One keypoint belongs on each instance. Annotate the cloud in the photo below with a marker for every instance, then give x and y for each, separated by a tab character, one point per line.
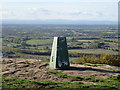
74	13
32	9
77	11
6	14
99	14
86	13
46	11
39	11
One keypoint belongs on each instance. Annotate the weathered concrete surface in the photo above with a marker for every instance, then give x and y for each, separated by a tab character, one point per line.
59	55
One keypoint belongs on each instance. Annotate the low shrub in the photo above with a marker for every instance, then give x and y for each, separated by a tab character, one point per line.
104	59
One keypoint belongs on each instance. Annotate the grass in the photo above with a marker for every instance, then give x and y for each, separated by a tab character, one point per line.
39	41
93	65
59	74
0	40
85	40
94	79
22	83
68	38
75	78
13	44
94	51
3	63
5	70
17	83
109	85
109	32
115	77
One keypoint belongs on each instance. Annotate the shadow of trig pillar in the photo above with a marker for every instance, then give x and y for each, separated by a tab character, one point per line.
59	55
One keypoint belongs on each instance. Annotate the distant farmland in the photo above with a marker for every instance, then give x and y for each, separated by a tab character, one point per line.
94	51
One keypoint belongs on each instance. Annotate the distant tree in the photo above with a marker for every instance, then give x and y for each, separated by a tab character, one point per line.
24	44
73	39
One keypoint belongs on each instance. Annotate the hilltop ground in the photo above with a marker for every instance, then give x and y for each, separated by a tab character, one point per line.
86	74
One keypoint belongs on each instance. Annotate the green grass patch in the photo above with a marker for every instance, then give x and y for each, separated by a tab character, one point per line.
3	63
0	40
39	41
59	74
109	85
115	77
5	70
22	83
93	51
76	78
94	79
85	40
17	83
109	32
93	65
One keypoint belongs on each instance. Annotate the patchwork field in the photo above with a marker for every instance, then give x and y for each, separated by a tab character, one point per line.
94	51
39	41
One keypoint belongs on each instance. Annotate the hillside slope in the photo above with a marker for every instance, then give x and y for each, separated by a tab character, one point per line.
87	74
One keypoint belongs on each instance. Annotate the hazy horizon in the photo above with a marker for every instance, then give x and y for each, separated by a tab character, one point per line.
57	21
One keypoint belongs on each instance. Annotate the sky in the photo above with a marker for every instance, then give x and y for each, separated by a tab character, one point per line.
59	9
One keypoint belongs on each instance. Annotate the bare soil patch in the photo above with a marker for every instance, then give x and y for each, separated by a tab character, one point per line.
32	69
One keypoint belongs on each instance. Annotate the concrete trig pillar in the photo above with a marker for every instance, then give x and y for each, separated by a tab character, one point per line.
59	55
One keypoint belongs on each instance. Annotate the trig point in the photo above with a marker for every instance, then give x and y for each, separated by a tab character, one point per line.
59	55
